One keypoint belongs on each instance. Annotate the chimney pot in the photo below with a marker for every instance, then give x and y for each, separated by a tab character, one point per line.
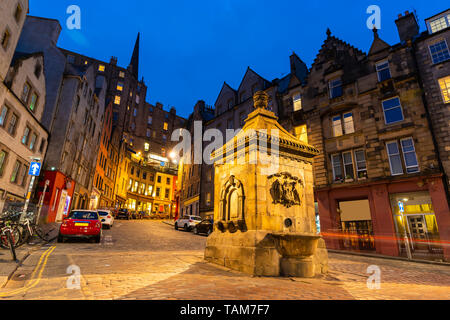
406	12
400	15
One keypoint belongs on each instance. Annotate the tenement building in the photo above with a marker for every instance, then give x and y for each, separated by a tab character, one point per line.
232	108
433	59
22	101
377	178
73	112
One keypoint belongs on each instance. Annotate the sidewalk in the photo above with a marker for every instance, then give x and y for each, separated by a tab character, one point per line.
169	222
8	266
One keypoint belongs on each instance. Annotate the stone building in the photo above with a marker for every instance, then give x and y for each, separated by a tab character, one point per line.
232	108
22	100
73	114
378	162
433	60
103	191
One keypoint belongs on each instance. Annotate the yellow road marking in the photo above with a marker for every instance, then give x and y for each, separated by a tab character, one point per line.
39	269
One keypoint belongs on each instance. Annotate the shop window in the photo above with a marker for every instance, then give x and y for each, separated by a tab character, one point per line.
415	218
356	223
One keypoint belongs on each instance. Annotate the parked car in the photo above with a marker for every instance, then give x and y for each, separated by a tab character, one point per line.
204	227
187	222
124	214
81	224
107	218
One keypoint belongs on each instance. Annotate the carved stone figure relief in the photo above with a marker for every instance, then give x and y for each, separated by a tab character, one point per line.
286	189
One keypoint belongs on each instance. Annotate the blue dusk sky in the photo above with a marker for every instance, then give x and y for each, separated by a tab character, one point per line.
189	48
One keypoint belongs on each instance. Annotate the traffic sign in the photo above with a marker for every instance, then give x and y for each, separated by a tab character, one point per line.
401	206
35	169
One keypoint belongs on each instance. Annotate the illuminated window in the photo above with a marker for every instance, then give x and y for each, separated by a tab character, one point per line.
119	86
297	102
439	24
150	120
147	147
33	101
301	133
122	74
101	68
166	126
444	84
117	100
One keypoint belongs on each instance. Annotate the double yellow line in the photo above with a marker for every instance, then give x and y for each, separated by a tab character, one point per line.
38	270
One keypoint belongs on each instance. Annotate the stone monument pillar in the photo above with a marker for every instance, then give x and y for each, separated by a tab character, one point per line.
264	215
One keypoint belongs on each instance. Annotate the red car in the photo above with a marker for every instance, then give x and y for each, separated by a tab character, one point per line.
81	224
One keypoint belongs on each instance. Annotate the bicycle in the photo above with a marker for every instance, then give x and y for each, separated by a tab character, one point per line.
29	229
9	239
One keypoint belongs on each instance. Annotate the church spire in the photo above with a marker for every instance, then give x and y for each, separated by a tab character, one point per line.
134	63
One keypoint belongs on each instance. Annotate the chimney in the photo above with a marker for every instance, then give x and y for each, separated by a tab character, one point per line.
113	61
407	26
159	105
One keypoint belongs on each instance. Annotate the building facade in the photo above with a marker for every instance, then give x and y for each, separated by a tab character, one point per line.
378	177
231	109
433	60
22	100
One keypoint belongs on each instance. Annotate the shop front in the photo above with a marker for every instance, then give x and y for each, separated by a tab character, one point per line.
379	217
415	220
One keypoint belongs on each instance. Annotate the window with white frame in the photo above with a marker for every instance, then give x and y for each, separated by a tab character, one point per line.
392	111
438	24
338	174
343	124
439	51
383	71
335	88
3	114
348	165
409	155
444	84
361	166
297	100
395	160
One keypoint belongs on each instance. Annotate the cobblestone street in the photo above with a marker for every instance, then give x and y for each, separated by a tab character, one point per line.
149	260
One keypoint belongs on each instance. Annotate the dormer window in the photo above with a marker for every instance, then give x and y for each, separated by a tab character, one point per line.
335	88
439	23
383	71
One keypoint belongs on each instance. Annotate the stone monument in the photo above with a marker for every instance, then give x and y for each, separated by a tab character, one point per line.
264	215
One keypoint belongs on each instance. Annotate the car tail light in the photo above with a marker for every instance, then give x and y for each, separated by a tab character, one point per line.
191	221
109	217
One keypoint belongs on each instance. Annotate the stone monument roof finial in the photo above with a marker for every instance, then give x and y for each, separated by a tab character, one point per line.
261	100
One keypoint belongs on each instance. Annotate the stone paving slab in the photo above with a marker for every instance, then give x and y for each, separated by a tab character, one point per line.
152	261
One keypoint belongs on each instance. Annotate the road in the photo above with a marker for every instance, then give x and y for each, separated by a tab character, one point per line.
147	260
